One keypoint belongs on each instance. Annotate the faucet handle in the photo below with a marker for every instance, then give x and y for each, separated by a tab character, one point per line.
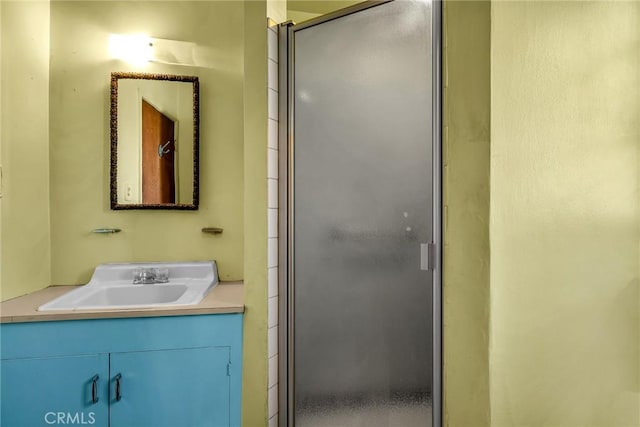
148	276
161	274
137	276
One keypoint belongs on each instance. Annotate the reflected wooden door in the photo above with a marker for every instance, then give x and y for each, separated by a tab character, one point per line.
158	175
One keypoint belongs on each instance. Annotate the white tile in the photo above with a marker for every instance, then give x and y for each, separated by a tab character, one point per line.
273	401
272	340
272	193
273	421
272	46
273	371
272	252
273	104
272	223
272	282
272	73
272	163
273	134
272	312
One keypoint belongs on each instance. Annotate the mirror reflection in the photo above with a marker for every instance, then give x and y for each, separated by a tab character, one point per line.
154	141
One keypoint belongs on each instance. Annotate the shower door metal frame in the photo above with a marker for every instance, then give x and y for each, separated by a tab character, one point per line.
286	147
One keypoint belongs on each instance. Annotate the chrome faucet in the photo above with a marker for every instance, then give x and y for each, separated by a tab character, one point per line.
144	276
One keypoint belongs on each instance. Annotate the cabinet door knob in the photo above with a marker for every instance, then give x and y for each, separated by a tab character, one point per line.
118	393
94	389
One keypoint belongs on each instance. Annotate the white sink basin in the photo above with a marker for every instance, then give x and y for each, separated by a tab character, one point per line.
133	295
112	287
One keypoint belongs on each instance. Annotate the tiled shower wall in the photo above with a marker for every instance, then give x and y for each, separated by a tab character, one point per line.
272	222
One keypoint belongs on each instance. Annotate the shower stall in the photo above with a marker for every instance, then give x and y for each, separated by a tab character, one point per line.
360	219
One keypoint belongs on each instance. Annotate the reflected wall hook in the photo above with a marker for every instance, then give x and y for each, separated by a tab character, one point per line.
106	230
162	149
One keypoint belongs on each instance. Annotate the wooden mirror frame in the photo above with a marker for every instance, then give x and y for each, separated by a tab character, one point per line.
115	76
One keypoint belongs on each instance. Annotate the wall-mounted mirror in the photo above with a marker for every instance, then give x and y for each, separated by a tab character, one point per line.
154	141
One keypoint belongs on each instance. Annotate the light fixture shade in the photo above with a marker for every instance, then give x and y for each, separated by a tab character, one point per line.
173	52
136	49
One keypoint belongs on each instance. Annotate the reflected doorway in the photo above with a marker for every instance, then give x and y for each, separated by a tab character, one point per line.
158	156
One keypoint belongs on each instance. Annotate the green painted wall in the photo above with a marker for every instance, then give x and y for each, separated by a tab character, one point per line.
25	262
255	369
466	115
79	118
565	213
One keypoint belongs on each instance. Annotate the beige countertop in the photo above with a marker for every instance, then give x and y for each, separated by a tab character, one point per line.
227	297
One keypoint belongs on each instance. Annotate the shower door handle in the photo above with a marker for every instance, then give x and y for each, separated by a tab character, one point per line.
428	256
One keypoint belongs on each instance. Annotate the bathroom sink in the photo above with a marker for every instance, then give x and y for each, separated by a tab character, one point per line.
112	287
132	295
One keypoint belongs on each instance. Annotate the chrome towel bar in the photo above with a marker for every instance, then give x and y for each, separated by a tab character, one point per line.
106	230
212	230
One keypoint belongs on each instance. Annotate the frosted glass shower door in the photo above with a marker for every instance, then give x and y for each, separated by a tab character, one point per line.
362	207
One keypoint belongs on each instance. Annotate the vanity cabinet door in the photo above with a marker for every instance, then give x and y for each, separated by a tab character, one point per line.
55	390
185	387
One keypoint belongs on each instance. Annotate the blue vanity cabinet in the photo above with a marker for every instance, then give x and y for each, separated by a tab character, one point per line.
55	390
171	388
152	371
